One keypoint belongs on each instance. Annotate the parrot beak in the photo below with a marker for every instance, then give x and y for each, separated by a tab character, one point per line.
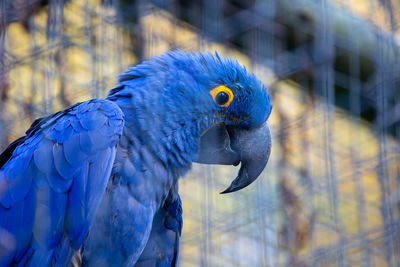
230	145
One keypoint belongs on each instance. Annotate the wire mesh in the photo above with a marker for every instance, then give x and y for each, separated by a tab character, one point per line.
330	194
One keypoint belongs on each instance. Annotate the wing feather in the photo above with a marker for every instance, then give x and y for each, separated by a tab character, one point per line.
43	158
39	178
162	248
20	186
93	183
52	180
76	208
62	166
5	198
73	158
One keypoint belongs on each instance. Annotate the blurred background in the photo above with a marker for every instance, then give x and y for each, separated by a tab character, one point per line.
330	195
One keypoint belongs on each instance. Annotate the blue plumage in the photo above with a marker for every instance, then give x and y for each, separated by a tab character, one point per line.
97	183
47	200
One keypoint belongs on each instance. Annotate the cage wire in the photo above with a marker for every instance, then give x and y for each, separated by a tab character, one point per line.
330	193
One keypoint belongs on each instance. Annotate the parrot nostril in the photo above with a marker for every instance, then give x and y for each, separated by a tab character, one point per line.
236	163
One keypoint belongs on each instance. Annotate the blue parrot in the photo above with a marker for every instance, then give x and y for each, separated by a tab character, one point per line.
97	184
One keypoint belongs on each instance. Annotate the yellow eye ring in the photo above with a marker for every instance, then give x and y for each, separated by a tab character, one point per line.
222	95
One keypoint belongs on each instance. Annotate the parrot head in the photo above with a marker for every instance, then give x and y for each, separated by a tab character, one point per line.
242	134
211	108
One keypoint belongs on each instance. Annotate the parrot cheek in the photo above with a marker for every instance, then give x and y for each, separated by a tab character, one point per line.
231	145
215	147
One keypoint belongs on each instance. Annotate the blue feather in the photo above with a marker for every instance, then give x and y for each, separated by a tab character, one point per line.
14	168
18	187
63	135
42	224
58	183
3	216
27	253
82	108
72	151
62	166
86	144
13	225
39	178
62	124
43	156
98	140
50	212
50	157
106	130
95	105
40	256
92	120
76	126
26	224
5	198
97	169
58	205
75	215
115	124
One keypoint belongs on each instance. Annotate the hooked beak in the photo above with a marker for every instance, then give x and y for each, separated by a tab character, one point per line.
230	145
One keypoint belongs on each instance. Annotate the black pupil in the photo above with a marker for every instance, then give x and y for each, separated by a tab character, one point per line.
221	98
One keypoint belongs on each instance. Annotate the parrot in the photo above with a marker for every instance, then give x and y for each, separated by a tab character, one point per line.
97	183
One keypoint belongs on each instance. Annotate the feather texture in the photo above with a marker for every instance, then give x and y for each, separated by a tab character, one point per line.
162	248
47	206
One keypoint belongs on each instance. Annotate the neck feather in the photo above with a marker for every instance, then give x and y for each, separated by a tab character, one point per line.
172	135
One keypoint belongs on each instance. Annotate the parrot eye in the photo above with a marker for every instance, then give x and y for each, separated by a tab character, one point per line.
221	98
222	95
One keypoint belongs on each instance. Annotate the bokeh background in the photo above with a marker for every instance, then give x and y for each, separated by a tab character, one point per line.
329	196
